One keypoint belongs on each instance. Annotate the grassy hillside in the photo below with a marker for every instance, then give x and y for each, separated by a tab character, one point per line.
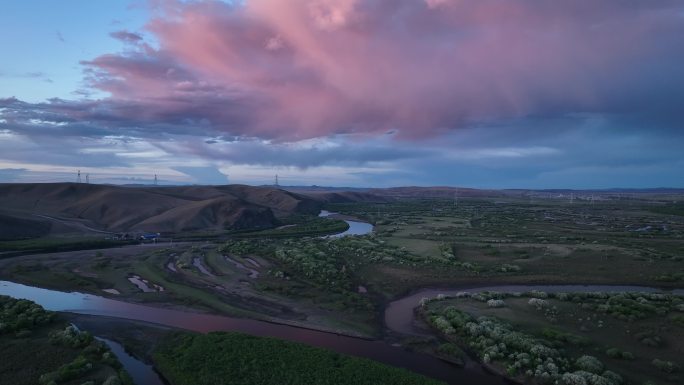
82	208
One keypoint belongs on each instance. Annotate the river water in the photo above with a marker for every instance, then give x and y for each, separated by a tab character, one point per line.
141	373
398	316
355	227
376	350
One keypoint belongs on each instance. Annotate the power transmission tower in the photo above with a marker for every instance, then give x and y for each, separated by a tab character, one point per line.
155	179
78	178
276	180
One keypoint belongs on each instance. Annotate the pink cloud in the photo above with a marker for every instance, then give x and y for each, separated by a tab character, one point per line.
290	70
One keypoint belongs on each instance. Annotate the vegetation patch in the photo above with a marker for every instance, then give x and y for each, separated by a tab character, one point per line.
563	338
234	358
37	347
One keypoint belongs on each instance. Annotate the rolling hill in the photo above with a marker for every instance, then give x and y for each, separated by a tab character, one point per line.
39	208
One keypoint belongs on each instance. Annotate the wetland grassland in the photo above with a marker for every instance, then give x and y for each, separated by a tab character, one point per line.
295	276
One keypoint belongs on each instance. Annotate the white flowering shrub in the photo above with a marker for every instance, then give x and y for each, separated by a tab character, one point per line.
590	364
496	303
573	379
538	303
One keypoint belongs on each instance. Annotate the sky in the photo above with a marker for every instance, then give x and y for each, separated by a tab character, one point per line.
578	94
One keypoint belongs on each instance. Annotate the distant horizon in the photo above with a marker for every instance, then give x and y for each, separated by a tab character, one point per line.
343	188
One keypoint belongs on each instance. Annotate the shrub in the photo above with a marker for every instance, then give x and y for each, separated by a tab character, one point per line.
619	354
573	379
506	268
665	366
538	303
612	377
590	364
443	325
496	303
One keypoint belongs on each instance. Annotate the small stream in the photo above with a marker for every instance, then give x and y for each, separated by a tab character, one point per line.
141	373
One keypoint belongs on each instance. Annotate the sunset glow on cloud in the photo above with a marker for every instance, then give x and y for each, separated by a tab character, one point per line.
522	92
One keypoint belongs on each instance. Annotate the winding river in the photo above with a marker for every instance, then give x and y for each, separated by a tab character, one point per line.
398	316
355	227
376	350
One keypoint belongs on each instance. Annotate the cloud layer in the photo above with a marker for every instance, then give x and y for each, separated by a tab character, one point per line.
309	68
258	82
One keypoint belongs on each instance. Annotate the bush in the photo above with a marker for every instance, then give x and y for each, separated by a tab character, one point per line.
496	303
538	303
573	379
590	364
665	366
619	354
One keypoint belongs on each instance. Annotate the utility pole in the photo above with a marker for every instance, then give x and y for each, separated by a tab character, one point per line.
78	178
155	179
276	180
87	178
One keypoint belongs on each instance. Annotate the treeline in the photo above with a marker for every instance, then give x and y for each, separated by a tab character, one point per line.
312	226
